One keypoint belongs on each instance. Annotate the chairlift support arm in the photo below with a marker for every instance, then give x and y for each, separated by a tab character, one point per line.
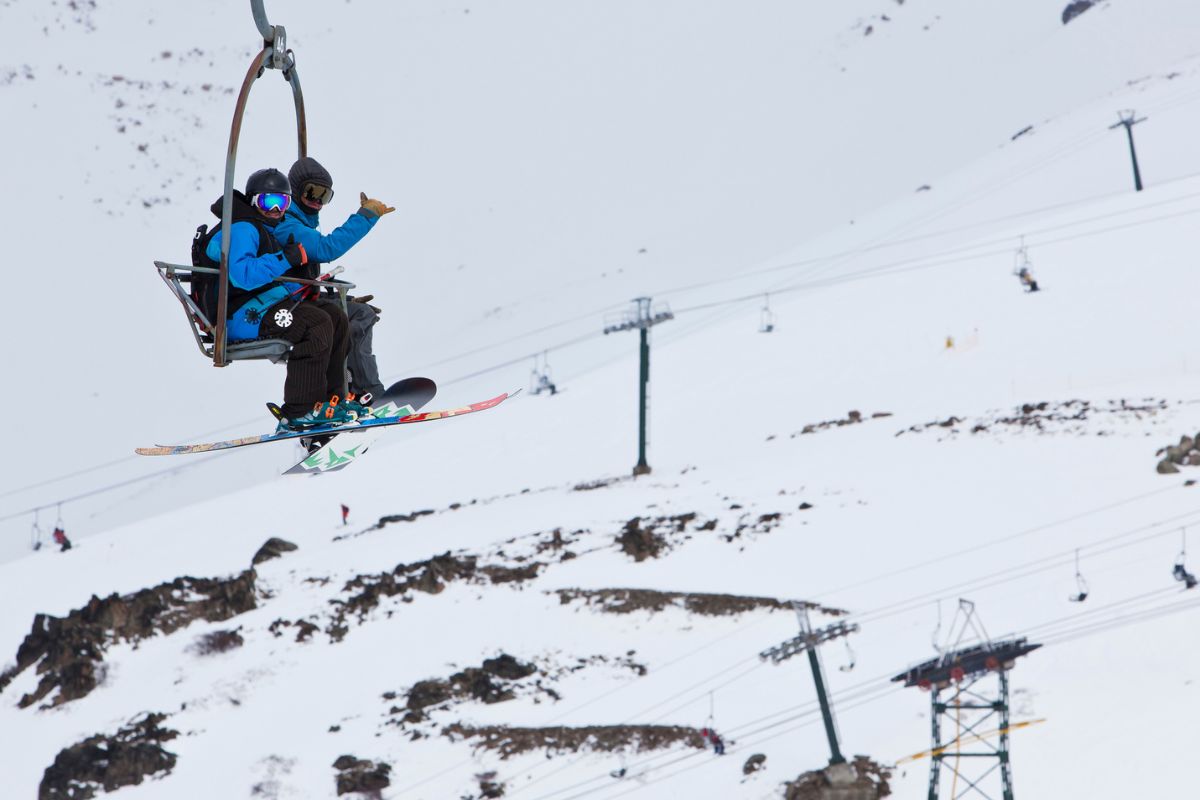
274	55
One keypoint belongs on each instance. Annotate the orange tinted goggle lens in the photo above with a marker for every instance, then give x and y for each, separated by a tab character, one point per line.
316	193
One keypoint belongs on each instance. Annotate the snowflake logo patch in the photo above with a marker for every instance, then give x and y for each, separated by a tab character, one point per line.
283	318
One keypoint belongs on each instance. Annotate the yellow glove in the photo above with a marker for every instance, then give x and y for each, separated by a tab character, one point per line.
376	207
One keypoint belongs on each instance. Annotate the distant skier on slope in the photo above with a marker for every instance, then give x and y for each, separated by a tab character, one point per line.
314	390
313	187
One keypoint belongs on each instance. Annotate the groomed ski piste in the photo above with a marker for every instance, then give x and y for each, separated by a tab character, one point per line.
977	470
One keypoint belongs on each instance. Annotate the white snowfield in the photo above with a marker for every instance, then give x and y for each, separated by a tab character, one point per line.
532	151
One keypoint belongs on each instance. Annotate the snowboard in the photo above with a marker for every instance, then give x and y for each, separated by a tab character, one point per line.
332	452
356	427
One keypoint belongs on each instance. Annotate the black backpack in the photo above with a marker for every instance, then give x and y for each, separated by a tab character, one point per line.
204	284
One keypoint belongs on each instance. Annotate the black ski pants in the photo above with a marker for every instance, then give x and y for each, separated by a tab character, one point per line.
364	371
316	367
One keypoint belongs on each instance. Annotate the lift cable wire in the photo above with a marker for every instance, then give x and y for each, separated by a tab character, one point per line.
920	601
847	700
1036	566
903	265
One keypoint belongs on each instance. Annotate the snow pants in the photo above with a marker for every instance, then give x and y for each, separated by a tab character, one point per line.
319	333
364	372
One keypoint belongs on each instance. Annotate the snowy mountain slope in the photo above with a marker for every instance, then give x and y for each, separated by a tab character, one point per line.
898	522
886	509
534	154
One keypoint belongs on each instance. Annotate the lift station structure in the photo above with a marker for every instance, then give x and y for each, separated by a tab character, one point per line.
968	707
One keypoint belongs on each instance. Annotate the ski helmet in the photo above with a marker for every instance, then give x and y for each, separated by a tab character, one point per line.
267	180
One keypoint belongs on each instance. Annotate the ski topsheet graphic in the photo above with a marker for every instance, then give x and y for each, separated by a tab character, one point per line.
365	425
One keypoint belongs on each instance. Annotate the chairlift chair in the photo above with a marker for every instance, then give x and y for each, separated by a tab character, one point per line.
210	335
1180	572
766	318
542	380
1081	584
1021	260
849	665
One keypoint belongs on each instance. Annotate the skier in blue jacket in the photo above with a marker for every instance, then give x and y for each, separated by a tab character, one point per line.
313	187
314	390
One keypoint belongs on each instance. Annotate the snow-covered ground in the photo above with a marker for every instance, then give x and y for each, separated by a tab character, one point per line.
533	152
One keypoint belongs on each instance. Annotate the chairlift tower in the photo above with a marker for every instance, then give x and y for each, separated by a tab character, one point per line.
807	642
1128	121
962	705
641	318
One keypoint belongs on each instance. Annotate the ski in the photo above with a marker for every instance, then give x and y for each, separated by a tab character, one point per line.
332	451
365	425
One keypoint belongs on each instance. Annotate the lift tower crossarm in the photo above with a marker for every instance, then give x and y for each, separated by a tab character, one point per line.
807	642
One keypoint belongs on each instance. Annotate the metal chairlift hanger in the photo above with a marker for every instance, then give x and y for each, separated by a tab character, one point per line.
1081	584
274	55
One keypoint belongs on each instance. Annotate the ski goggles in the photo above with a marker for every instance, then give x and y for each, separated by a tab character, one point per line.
272	201
316	193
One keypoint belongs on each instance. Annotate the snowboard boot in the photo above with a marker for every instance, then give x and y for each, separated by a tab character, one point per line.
359	405
331	412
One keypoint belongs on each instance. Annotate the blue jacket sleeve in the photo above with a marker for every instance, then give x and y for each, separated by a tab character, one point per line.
329	247
247	269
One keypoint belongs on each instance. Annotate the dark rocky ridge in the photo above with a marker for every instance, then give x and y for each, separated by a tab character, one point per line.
1046	418
489	683
69	652
626	601
509	742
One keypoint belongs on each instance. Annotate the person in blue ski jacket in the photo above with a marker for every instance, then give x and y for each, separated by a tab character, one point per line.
313	187
260	307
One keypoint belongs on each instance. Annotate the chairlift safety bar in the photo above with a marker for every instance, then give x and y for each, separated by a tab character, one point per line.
199	323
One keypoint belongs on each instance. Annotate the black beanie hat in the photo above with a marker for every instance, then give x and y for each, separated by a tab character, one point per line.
308	170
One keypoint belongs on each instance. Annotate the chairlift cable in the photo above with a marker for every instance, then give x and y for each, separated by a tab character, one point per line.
866	698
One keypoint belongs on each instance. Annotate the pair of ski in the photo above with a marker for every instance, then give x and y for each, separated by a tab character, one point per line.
400	404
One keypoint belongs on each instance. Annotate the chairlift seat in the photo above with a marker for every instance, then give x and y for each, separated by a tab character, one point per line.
273	350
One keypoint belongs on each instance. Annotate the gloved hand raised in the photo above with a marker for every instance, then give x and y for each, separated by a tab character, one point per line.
366	301
376	207
294	253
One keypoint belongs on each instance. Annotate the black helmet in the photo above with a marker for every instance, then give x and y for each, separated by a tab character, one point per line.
267	180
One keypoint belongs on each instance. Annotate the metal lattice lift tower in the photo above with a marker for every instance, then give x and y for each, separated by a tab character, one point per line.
641	318
963	708
807	642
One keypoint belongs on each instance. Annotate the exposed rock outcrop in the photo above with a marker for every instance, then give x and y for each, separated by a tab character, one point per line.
358	775
272	548
860	779
509	742
106	763
69	652
626	601
1074	9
